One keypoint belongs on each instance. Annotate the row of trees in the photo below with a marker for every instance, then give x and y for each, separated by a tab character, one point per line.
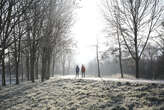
133	24
151	63
34	33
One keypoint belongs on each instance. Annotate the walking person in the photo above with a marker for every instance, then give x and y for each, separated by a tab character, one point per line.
83	71
77	71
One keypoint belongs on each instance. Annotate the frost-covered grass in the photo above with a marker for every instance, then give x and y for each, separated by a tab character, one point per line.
83	94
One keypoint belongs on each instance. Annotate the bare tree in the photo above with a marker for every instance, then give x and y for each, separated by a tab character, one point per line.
11	12
138	20
36	25
33	30
57	25
112	17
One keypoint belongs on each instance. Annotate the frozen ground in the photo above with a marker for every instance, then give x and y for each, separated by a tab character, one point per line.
68	93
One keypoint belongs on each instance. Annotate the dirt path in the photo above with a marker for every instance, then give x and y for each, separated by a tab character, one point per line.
83	94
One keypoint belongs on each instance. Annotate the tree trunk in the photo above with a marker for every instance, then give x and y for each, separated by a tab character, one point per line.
136	49
22	66
32	66
137	68
17	72
17	57
48	68
63	63
16	61
9	67
63	68
3	68
43	64
98	64
120	54
36	69
120	61
53	65
27	67
48	62
98	68
69	66
32	58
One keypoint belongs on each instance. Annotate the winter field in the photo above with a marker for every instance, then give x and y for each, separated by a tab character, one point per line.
70	93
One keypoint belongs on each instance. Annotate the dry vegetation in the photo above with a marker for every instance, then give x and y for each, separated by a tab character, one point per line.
83	94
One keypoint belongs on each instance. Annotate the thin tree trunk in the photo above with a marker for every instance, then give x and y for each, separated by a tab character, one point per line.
48	63
3	68
9	66
22	66
36	69
32	66
43	64
17	52
63	66
27	67
120	61
98	63
69	66
43	68
16	61
53	67
32	58
37	66
120	54
17	74
16	67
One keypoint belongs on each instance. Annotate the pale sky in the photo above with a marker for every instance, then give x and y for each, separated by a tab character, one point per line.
88	27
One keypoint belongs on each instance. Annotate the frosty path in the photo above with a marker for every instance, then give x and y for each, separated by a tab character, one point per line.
68	93
116	79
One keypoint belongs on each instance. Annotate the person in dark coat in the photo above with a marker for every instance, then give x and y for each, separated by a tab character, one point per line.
77	71
83	71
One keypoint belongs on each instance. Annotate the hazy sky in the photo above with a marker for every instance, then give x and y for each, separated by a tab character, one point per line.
88	27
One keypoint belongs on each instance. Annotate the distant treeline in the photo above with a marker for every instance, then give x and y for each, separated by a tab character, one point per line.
149	68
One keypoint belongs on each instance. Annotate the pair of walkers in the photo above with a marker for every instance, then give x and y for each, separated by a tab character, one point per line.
82	71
